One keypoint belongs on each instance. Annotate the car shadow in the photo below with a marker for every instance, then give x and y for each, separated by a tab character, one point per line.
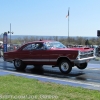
49	71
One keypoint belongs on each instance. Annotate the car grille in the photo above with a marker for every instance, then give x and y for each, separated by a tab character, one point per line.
86	54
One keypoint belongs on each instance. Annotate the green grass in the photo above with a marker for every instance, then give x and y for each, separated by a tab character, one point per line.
20	88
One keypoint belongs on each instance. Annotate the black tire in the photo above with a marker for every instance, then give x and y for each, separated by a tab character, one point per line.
82	66
65	66
19	65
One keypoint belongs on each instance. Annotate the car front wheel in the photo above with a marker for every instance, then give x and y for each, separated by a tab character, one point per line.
82	66
65	66
19	65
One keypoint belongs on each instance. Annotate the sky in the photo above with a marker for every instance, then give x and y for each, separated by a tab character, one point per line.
48	17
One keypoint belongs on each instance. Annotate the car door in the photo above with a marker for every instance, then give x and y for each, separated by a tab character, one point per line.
32	52
39	54
25	53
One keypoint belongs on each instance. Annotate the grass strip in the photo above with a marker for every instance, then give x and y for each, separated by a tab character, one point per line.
21	88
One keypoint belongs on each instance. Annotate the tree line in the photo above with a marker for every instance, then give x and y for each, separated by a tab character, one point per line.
65	41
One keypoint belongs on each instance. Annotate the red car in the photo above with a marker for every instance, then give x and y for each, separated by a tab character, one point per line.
47	52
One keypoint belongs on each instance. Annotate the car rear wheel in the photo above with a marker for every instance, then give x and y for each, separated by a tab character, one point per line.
65	66
19	65
82	66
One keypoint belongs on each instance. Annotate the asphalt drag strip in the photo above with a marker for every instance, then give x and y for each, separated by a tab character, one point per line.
87	78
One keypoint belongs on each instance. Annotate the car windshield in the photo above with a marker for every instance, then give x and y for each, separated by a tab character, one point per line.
55	44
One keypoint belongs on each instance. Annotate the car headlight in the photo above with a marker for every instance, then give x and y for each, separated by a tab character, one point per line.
79	53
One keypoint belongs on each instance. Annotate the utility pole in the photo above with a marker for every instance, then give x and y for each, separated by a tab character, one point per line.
68	22
10	35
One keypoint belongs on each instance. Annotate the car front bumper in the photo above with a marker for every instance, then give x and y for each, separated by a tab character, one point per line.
83	60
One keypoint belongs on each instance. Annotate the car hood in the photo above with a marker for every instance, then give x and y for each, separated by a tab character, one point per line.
75	49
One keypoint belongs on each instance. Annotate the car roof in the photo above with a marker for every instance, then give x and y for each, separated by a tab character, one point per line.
41	41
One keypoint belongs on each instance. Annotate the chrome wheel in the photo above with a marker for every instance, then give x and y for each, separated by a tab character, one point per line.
65	66
19	65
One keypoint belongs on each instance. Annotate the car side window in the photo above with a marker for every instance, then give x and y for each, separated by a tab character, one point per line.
39	46
29	47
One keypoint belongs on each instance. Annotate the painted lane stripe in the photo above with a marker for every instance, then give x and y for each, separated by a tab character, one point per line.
93	69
